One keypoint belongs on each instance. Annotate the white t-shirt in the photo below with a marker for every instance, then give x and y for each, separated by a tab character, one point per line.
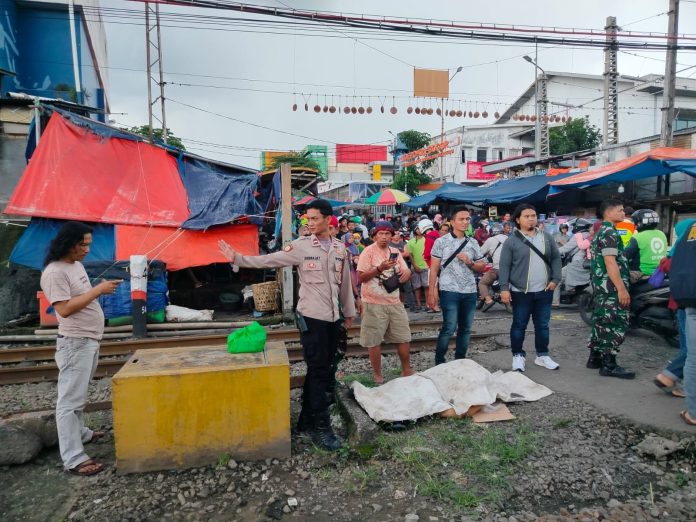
62	281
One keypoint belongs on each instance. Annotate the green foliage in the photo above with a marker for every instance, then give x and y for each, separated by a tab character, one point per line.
458	461
144	130
408	180
296	159
575	135
410	177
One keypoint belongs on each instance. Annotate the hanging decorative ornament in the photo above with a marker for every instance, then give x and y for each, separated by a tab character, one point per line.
306	101
484	114
569	118
476	112
563	119
438	111
496	115
534	118
326	107
459	112
417	110
393	110
294	101
409	110
361	110
454	113
346	110
369	106
317	107
514	117
294	106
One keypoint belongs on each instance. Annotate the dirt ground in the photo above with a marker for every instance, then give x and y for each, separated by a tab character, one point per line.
561	458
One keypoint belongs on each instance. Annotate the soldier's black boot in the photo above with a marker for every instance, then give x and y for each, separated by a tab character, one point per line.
305	421
611	369
323	435
595	360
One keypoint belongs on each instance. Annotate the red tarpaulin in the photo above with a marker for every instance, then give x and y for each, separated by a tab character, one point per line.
181	248
76	174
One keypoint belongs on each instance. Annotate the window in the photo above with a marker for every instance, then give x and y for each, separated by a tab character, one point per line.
463	158
481	155
498	154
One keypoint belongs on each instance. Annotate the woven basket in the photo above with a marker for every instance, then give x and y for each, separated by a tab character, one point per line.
266	296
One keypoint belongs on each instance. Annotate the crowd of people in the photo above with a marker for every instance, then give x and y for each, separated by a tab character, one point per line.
356	265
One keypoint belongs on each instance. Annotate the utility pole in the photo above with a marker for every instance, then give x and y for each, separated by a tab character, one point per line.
541	111
153	49
670	75
611	93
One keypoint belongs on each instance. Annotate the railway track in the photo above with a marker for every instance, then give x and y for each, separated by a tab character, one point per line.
28	364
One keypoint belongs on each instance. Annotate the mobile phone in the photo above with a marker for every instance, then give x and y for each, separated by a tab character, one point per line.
393	256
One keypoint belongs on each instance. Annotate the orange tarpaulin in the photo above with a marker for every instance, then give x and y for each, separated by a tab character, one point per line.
553	171
181	248
645	164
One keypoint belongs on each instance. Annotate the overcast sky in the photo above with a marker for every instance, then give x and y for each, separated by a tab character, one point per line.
238	61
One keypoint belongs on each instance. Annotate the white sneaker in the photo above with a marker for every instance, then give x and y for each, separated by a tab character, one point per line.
547	362
518	363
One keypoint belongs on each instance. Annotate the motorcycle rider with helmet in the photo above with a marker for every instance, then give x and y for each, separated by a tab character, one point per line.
648	245
491	248
575	273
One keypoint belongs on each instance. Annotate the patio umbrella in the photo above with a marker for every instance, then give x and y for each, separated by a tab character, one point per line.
388	197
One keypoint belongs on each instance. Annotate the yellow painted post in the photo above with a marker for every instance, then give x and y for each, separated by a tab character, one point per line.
188	407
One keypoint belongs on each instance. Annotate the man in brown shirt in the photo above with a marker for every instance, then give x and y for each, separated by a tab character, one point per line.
80	328
325	299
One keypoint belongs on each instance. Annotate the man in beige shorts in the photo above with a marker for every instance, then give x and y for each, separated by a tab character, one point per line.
384	317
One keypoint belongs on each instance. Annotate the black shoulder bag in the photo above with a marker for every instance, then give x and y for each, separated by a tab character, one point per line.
391	283
451	258
535	249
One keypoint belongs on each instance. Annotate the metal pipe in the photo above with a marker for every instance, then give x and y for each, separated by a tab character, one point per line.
73	44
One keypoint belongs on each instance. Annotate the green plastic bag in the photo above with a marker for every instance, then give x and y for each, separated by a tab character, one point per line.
250	339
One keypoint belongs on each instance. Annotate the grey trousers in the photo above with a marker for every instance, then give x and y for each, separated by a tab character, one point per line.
76	358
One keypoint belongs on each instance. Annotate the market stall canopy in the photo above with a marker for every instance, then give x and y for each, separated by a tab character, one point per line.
527	189
388	197
88	171
431	198
178	248
656	162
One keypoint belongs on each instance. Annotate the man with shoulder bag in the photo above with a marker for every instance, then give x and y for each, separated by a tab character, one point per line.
455	257
381	270
530	270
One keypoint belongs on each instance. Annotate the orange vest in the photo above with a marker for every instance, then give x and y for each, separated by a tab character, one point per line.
626	229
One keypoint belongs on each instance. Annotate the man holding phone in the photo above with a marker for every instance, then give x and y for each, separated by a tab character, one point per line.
384	317
66	285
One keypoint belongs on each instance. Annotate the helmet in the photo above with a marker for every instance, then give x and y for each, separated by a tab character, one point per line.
645	219
357	220
582	225
424	225
496	229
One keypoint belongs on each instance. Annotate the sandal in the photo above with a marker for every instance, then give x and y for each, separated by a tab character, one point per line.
82	471
96	435
674	390
687	418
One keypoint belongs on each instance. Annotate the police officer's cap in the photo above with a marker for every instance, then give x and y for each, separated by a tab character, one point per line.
321	205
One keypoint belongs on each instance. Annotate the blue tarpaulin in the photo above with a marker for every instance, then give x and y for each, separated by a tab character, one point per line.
527	190
30	250
217	195
686	166
430	198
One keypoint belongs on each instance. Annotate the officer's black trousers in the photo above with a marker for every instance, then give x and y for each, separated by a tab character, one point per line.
319	345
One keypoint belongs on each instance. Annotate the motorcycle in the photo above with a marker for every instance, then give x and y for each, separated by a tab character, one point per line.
648	310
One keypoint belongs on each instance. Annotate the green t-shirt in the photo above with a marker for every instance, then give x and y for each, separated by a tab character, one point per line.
417	248
652	245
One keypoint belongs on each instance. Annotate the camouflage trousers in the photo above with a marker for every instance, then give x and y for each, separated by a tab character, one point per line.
609	324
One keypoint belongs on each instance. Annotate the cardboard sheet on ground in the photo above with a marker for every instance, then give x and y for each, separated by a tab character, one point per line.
457	385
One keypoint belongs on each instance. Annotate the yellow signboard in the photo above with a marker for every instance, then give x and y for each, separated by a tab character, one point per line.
431	83
376	172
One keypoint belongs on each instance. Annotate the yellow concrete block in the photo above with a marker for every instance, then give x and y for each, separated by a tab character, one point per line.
187	407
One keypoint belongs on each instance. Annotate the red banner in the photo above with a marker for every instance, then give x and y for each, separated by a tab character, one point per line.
474	170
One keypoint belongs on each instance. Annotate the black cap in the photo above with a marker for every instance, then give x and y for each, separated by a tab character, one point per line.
321	205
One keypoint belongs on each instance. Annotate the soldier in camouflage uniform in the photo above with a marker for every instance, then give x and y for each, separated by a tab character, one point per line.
610	279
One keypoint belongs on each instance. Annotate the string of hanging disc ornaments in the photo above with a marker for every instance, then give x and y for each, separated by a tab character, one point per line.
343	104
